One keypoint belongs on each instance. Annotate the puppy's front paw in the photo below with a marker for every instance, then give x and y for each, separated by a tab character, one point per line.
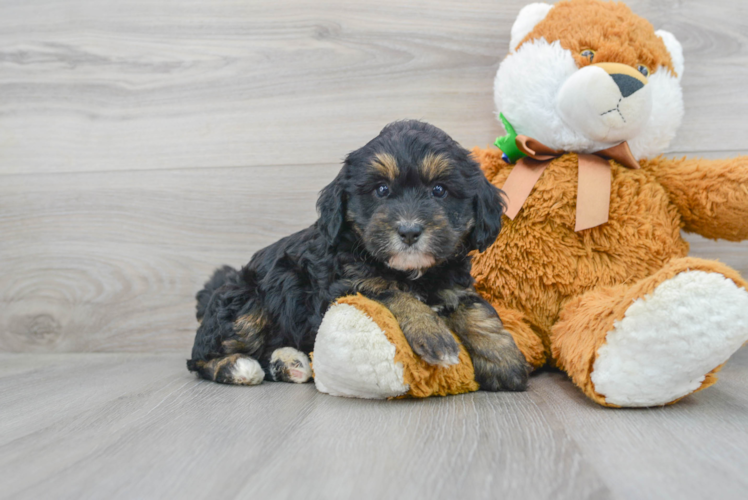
501	367
290	365
432	341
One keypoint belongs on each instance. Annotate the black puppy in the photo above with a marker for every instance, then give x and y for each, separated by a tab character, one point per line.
396	225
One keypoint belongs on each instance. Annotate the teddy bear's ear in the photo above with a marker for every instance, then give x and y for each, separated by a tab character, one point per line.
674	47
528	18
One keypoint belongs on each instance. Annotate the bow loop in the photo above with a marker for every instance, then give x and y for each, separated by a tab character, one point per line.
622	154
536	149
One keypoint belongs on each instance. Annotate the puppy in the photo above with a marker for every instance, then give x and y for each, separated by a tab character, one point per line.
397	225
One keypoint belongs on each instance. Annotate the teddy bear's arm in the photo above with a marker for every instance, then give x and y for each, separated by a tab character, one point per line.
711	195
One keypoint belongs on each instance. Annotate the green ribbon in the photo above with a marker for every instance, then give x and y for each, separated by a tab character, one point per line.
508	143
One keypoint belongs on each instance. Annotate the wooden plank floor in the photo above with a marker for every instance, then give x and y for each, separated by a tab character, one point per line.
139	426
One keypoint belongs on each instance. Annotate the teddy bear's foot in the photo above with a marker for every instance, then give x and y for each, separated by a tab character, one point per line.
353	357
669	341
360	351
657	340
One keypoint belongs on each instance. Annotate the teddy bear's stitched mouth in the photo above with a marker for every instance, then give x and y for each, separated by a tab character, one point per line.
618	109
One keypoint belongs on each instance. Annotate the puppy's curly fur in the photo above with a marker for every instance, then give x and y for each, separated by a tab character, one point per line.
397	225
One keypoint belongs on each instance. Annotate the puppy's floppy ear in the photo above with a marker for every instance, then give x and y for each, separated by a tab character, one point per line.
331	208
489	205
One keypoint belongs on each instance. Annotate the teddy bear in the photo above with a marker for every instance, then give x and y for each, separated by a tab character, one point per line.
590	272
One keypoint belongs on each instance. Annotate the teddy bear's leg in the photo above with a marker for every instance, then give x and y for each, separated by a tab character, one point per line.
360	351
353	356
527	340
657	340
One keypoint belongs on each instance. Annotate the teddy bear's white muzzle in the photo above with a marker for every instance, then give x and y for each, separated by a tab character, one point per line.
605	102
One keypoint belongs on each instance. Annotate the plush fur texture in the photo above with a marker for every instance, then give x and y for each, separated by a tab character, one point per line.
397	225
361	352
570	289
667	341
354	358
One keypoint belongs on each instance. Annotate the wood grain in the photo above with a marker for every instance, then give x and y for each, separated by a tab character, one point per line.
697	448
139	426
144	143
111	261
136	84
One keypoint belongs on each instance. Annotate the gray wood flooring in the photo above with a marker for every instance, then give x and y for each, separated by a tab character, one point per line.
144	142
139	426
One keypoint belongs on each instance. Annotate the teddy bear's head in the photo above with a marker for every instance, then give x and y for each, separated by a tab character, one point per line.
584	75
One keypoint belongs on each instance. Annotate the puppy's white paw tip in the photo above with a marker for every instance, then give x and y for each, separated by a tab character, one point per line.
290	365
247	371
448	360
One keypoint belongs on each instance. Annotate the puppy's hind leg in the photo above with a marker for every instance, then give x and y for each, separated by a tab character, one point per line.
290	365
231	333
237	369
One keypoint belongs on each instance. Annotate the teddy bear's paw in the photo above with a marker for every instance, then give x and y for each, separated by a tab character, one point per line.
431	340
670	340
354	358
290	365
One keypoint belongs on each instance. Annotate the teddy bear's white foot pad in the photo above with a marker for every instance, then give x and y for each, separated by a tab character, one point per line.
354	358
668	341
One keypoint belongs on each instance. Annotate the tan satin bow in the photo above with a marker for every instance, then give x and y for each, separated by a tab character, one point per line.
593	192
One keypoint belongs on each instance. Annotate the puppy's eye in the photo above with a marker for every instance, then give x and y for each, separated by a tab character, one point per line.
439	191
643	70
589	54
382	190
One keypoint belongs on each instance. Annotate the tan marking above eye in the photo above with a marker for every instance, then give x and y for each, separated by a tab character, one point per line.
386	165
433	166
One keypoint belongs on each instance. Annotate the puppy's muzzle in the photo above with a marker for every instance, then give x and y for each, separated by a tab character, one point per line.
409	233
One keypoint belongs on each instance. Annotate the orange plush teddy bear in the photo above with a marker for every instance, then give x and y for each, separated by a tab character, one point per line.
590	272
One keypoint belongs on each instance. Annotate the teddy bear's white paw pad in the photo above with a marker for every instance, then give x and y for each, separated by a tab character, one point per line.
290	365
668	341
354	358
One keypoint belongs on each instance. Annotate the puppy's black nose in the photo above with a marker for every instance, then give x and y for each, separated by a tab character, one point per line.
626	84
410	233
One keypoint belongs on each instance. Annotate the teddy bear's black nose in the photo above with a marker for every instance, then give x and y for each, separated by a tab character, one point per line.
626	84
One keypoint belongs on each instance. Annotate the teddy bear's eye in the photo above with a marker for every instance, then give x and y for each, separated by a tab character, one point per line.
589	54
643	70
